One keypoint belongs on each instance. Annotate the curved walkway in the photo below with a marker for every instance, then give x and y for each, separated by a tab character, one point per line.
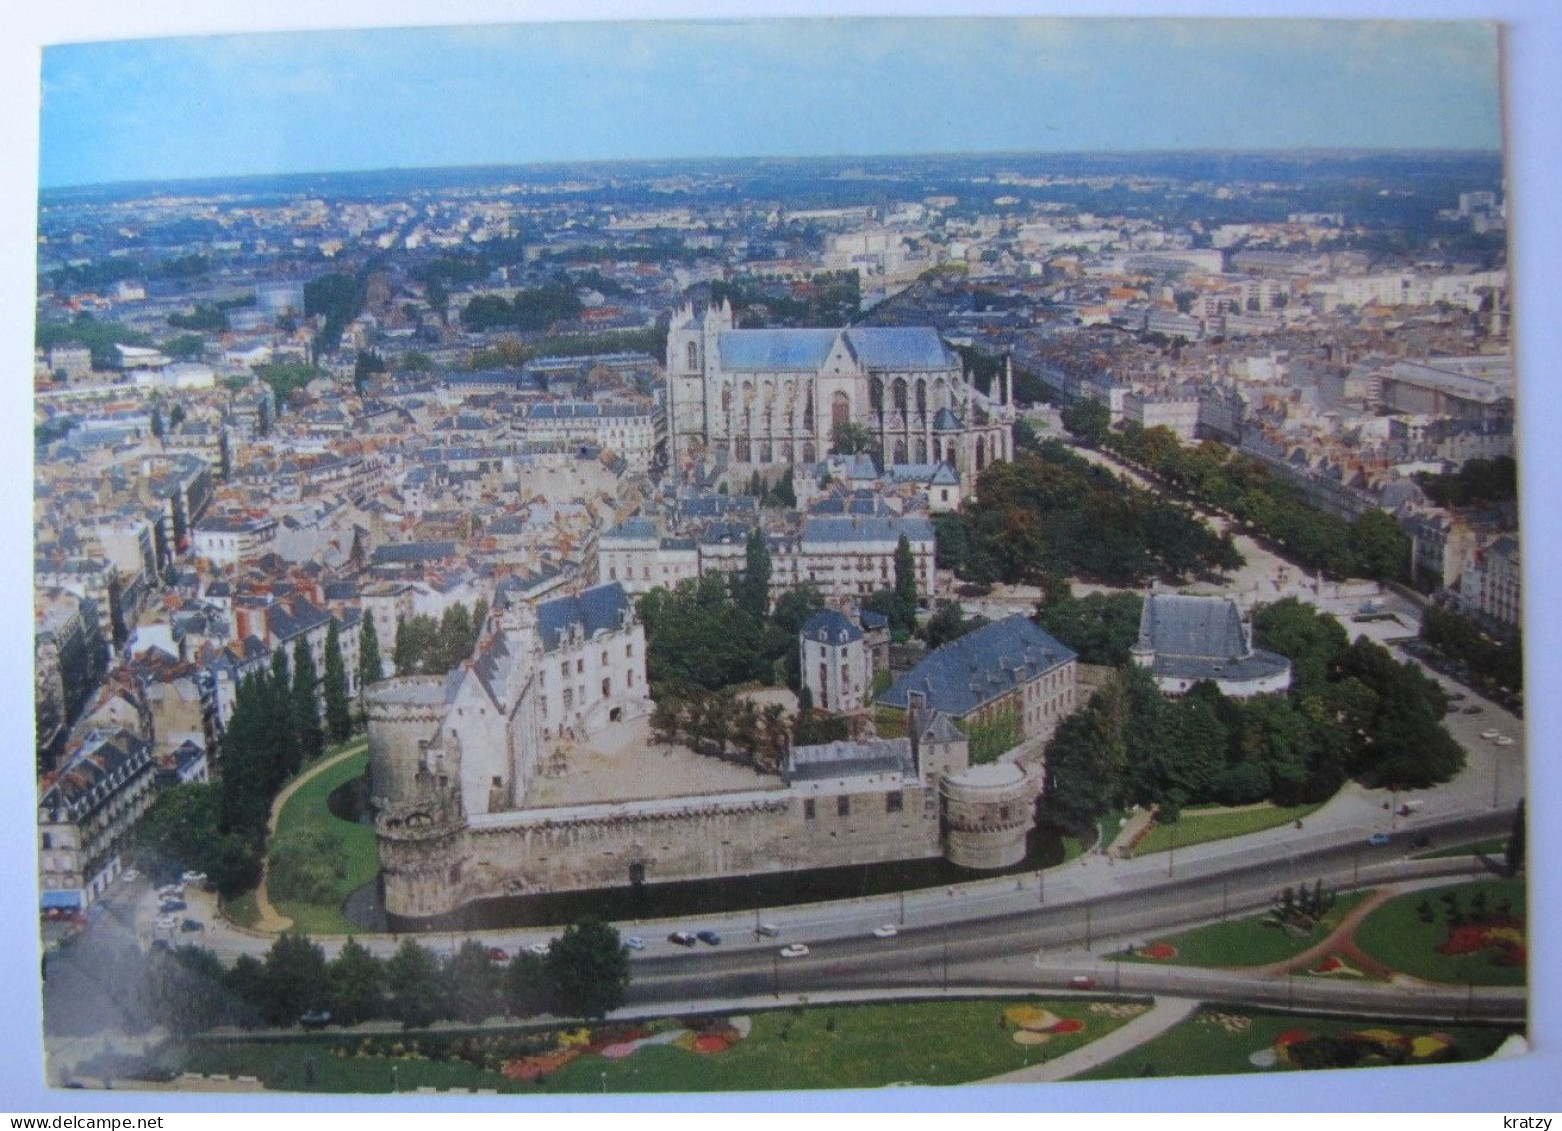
271	920
1165	1013
1341	941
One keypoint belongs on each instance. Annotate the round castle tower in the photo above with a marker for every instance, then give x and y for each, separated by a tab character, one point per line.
988	810
415	792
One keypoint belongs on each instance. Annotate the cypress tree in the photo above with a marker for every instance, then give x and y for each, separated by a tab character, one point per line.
306	705
338	714
905	583
371	669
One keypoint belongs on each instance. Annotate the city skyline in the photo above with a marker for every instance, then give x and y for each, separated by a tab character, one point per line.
124	111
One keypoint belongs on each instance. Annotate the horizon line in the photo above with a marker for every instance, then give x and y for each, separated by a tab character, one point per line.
549	163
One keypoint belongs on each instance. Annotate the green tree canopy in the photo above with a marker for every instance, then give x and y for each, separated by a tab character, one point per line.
589	968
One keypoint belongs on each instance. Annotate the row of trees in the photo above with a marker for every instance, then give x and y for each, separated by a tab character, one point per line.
1099	627
584	974
532	308
1478	483
1493	662
277	726
1050	512
723	724
1371	545
1352	712
424	645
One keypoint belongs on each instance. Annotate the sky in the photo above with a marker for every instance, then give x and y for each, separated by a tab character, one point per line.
419	97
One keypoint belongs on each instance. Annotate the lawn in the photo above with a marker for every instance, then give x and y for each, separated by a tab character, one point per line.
1196	827
1397	934
1219	1040
1247	941
1497	846
356	859
242	910
850	1046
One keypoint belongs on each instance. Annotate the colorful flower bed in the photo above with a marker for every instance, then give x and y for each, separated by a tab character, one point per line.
1335	967
1502	935
1160	950
1036	1026
1303	1048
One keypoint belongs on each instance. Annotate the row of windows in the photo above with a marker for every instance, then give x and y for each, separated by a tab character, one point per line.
893	803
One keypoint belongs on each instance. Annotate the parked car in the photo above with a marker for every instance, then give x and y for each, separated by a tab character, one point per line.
794	950
767	930
1490	734
708	937
1475	710
887	931
1081	982
160	944
169	905
1378	840
171	891
540	949
1503	740
130	875
682	938
194	877
635	942
498	954
166	923
315	1018
189	926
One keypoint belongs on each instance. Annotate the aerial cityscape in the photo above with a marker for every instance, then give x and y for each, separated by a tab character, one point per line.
973	611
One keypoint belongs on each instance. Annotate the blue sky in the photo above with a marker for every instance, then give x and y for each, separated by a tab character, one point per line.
275	102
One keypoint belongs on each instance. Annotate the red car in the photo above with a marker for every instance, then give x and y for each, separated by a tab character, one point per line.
498	954
1081	982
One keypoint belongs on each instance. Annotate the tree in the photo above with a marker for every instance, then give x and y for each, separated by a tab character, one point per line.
355	982
371	669
849	438
157	421
753	588
412	981
306	705
1088	420
338	712
906	582
589	968
471	983
526	990
1381	547
295	979
1514	856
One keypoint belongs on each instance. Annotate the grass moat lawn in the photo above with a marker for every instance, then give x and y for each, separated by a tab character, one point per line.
344	850
848	1046
1464	933
1224	1040
1255	940
1199	826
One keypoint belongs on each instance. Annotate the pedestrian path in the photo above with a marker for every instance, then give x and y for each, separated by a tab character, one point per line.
1167	1012
271	920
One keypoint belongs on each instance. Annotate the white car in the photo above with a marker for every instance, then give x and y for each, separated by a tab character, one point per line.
540	949
635	942
171	891
1503	740
887	931
1488	734
794	950
194	877
130	875
166	922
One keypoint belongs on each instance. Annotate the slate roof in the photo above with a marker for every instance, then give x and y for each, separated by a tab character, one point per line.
849	759
829	627
775	349
404	553
945	421
872	528
900	348
1196	638
981	666
595	610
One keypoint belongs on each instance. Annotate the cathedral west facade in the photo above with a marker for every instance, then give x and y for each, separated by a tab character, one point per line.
765	399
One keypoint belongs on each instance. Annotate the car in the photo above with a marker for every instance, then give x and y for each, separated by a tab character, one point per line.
130	875
169	905
171	891
540	949
166	922
194	877
1081	982
160	944
498	954
708	937
635	942
1475	710
681	938
887	931
1378	840
767	930
189	926
1503	740
315	1018
1490	734
794	950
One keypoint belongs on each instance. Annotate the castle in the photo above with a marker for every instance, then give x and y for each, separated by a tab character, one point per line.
768	398
465	809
